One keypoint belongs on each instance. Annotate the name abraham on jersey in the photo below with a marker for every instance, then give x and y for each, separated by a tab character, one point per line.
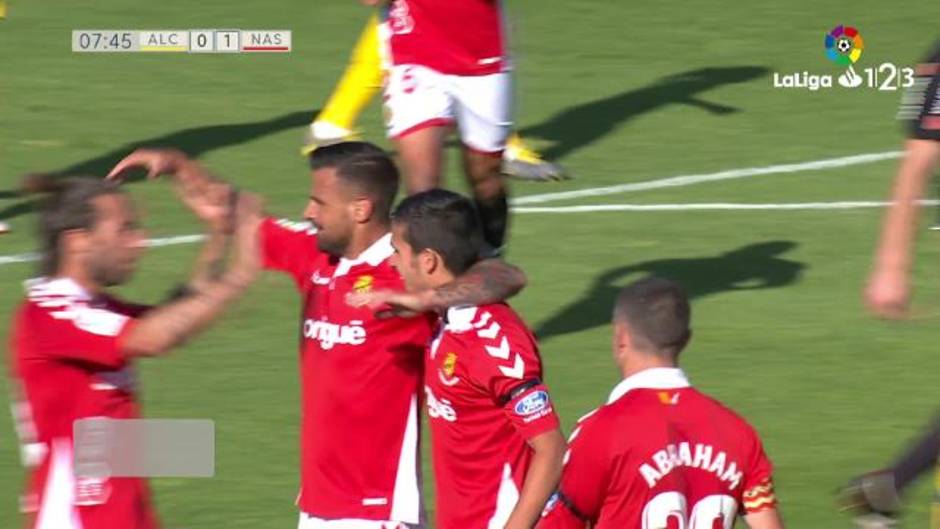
330	334
683	455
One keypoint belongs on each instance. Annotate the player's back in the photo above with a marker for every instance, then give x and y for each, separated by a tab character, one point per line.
661	454
679	447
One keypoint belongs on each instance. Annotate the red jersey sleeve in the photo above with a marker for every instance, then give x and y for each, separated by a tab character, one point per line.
758	492
584	480
77	331
507	366
287	246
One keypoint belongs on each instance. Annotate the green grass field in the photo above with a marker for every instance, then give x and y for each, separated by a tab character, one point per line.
617	91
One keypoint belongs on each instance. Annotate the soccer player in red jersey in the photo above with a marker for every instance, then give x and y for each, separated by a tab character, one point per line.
660	454
497	447
360	374
449	66
74	346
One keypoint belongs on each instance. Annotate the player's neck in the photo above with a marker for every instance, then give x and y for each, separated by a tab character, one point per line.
364	238
80	276
440	277
637	365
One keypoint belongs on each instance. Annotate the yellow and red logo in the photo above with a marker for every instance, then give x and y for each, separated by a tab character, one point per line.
363	284
450	364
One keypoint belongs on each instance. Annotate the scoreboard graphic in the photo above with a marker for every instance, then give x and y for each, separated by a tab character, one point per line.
181	41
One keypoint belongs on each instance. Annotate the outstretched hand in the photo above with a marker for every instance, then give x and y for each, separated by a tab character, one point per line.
155	161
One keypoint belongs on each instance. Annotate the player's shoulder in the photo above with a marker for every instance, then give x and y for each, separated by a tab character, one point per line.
286	225
720	411
484	320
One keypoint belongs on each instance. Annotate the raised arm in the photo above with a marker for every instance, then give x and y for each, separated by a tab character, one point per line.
169	325
208	197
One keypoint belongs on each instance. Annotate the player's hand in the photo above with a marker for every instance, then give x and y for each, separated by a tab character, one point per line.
155	161
887	294
211	202
390	303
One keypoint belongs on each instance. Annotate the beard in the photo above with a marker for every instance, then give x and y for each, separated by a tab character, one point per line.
335	246
111	275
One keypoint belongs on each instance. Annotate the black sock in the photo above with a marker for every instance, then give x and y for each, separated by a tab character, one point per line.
494	215
922	455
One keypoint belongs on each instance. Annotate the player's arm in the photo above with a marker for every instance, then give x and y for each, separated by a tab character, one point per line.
284	246
165	327
548	449
487	281
209	198
887	292
577	502
766	519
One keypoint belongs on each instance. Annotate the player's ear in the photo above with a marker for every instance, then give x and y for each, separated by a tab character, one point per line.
362	210
432	261
74	242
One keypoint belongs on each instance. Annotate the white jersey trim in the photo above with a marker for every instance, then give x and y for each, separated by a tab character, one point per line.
56	510
374	255
654	378
506	500
406	497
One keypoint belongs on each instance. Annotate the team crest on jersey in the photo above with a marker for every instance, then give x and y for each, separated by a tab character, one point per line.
450	364
446	373
363	284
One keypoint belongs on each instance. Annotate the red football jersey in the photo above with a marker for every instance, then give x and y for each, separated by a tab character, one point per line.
68	364
661	455
360	379
485	397
458	37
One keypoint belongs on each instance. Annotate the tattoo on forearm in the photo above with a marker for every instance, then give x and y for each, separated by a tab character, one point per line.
487	281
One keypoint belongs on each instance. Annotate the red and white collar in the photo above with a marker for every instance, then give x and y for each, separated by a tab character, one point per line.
373	255
653	378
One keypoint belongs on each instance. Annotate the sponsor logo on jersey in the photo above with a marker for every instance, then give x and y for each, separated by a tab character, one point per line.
667	398
318	279
330	334
439	408
532	404
363	284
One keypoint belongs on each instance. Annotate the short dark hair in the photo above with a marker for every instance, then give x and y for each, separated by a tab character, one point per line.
658	314
66	206
445	222
363	165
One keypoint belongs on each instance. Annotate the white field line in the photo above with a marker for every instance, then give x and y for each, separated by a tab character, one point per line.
858	204
684	180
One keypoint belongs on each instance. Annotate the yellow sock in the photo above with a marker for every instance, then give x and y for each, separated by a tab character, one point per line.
360	81
3	8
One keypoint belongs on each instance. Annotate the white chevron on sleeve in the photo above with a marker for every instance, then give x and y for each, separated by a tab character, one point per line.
517	369
490	332
484	319
501	352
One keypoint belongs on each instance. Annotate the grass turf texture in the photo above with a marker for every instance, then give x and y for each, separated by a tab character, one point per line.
606	88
